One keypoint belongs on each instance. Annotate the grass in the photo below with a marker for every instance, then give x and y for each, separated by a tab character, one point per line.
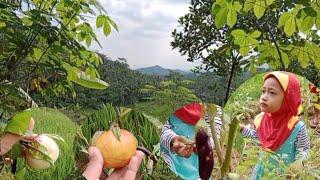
155	109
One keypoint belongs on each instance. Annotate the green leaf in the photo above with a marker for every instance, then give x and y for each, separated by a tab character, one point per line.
259	8
2	24
269	2
100	21
215	9
303	57
88	40
253	68
113	24
221	17
255	34
285	59
237	6
19	123
20	174
37	53
232	16
16	150
318	20
106	28
26	21
283	19
248	5
290	26
238	33
307	23
244	49
89	82
220	2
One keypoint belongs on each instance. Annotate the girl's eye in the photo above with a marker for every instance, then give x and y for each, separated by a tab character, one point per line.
273	93
263	91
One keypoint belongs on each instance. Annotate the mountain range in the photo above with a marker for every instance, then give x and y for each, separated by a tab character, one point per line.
158	70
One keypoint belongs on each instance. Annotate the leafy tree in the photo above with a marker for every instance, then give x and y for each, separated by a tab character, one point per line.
199	39
234	39
125	84
41	47
210	87
172	92
280	32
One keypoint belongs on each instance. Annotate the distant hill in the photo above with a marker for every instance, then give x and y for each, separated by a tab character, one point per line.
158	70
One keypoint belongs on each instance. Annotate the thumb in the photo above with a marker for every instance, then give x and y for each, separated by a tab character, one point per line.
95	165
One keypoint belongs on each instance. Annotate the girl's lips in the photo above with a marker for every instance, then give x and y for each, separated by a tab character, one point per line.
263	104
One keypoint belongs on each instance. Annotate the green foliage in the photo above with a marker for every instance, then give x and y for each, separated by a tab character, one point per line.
279	23
19	123
172	92
41	49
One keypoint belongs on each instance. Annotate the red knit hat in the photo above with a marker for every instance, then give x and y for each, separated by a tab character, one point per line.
190	113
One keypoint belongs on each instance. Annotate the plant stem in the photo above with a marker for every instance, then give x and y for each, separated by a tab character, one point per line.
214	134
233	128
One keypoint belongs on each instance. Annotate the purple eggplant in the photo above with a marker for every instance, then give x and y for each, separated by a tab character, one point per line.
205	154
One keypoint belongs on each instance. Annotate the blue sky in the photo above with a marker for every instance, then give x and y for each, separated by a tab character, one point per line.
144	35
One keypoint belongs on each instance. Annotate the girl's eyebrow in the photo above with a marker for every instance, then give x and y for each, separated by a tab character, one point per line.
271	88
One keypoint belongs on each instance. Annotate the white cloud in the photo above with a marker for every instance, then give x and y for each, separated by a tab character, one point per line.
145	28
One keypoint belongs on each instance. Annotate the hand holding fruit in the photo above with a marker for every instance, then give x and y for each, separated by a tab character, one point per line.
181	146
95	166
39	151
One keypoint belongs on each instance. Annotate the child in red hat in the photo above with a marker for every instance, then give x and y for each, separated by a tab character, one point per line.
176	135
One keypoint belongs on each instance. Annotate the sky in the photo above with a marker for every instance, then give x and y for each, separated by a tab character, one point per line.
144	35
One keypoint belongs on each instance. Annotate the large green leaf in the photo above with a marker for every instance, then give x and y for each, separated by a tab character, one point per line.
290	25
285	59
27	21
238	33
248	5
307	23
100	21
303	57
37	53
283	19
106	28
221	17
113	24
259	8
19	124
255	34
88	81
232	16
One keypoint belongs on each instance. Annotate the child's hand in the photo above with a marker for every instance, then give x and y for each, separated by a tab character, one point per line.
241	126
180	146
296	165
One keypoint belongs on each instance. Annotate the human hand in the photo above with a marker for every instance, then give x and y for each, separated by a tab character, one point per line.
95	166
296	165
9	139
241	126
181	147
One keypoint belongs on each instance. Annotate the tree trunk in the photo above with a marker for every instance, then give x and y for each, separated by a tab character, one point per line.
230	79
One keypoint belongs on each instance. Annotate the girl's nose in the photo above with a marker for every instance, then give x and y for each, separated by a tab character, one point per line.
263	97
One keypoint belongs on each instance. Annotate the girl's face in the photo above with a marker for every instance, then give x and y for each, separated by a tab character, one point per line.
272	96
